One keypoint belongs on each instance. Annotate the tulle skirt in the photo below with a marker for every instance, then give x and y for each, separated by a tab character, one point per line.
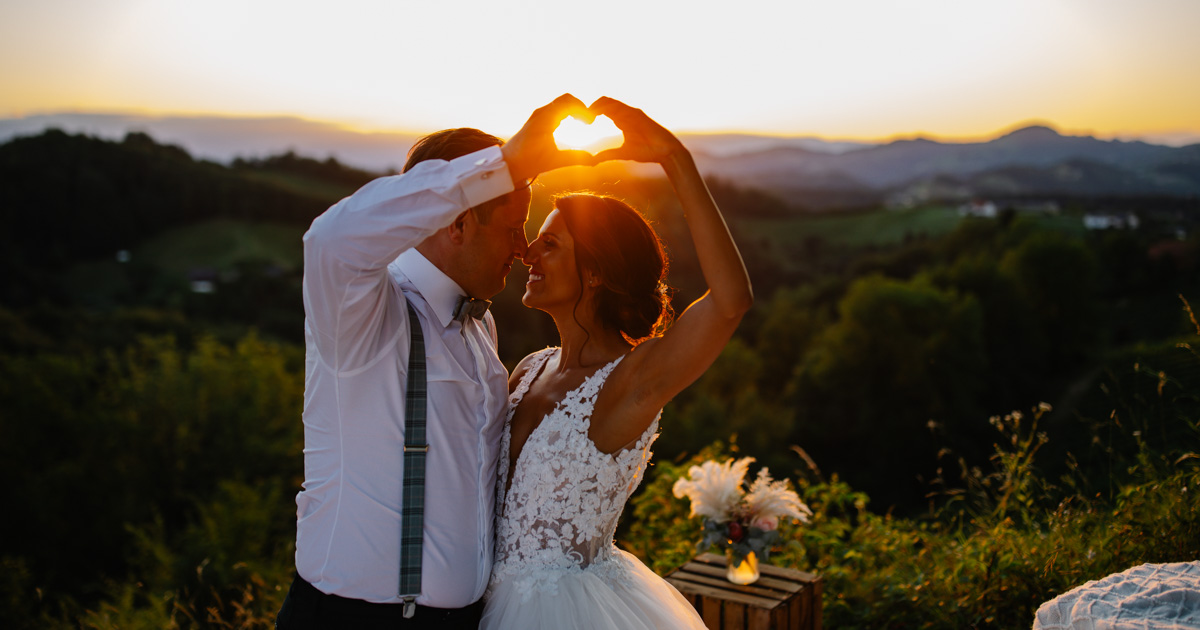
590	600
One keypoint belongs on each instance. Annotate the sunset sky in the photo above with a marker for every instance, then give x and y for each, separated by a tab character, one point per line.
854	69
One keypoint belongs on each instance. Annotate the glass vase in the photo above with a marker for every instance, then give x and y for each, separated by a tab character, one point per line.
745	572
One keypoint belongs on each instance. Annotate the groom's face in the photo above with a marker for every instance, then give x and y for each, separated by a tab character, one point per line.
491	247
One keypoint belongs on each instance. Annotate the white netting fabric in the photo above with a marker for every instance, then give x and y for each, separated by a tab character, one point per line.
1146	597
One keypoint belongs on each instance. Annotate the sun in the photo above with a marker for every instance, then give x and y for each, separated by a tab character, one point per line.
601	134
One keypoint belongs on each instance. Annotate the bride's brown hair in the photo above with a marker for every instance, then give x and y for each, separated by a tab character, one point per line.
615	242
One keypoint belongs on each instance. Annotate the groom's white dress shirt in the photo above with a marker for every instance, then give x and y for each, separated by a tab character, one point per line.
360	269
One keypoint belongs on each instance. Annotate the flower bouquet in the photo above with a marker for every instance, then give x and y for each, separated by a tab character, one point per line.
742	523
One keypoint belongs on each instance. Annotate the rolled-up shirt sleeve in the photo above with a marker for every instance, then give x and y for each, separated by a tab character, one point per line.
348	248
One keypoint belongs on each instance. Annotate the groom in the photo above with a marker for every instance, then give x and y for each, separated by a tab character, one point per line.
446	229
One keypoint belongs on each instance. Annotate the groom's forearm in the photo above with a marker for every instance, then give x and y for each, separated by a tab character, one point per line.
348	248
389	215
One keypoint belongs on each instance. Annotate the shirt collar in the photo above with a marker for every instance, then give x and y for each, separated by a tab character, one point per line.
439	291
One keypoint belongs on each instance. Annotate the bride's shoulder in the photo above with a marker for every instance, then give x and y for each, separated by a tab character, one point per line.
524	365
640	353
629	373
636	380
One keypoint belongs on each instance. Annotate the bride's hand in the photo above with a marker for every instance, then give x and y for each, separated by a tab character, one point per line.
645	140
668	364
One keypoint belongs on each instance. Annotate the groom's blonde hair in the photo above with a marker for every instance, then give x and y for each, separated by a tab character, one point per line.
455	143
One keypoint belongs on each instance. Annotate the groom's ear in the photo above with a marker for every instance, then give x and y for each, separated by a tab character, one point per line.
458	229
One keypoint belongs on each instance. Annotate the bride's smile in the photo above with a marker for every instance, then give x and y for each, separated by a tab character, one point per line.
553	275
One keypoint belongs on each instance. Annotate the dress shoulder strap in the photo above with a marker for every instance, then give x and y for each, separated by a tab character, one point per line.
535	368
590	388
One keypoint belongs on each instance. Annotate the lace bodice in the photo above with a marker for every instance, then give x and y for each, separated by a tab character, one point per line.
562	508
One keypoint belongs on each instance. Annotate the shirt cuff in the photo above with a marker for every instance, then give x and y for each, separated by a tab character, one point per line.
483	175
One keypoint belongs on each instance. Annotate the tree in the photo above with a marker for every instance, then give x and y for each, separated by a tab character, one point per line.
904	357
1057	275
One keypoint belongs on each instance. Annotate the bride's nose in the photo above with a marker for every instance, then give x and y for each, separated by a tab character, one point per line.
531	255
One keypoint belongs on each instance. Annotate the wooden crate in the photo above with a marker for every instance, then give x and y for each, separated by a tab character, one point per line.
782	599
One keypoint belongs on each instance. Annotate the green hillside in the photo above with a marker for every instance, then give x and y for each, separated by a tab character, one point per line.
221	244
878	228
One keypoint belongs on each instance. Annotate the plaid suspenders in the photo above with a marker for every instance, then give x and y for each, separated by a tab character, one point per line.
415	450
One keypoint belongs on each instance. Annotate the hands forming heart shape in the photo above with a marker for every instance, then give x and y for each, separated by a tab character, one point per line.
535	149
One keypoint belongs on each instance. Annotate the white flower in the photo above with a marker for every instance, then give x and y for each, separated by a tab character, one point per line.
769	499
713	488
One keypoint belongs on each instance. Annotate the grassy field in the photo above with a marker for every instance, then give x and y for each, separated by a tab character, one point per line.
301	185
217	246
859	229
221	244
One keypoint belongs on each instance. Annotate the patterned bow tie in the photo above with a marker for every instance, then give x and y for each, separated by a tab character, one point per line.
470	307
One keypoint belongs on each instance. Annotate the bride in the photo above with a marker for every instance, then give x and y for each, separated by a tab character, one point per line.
582	416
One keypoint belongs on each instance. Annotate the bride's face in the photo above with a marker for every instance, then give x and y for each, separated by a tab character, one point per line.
553	278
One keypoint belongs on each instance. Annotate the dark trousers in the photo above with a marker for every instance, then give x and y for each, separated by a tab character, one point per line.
307	608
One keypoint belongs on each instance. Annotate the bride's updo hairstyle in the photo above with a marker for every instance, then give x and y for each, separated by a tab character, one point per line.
617	243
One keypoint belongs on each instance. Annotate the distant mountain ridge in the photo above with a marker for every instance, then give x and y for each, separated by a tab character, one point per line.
1034	160
804	171
223	139
904	160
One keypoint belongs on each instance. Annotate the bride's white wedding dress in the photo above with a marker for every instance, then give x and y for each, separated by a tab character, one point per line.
556	565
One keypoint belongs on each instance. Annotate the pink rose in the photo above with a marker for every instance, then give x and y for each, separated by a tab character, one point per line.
766	523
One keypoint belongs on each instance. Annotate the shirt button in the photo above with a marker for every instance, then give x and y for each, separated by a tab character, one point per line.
486	175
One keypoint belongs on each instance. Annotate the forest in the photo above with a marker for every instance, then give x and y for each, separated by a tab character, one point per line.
982	412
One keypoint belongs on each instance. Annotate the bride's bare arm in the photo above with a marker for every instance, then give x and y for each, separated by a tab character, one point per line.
668	364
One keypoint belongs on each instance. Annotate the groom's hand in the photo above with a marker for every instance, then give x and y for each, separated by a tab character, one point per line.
532	150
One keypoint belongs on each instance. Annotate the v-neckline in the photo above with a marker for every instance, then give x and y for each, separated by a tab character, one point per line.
514	463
